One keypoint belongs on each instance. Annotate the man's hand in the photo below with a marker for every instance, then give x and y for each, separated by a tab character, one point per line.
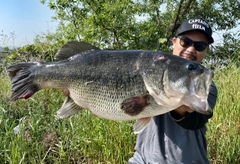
181	111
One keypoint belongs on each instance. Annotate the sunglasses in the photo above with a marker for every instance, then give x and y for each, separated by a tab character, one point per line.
186	42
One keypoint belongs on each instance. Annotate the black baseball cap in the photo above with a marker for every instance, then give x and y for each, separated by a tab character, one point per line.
196	24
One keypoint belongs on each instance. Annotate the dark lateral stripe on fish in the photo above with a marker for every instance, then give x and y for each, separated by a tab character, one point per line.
23	86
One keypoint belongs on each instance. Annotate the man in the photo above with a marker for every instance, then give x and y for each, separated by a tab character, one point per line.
179	136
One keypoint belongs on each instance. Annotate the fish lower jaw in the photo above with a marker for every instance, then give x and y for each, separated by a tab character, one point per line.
199	105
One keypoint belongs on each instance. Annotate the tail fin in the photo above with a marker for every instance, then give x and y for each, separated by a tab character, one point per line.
21	76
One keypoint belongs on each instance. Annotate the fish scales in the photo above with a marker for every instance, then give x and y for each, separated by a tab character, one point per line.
102	88
116	84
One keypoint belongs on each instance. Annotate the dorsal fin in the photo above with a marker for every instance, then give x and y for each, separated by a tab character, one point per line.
72	48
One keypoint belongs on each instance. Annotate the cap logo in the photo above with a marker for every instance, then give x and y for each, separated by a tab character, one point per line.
198	24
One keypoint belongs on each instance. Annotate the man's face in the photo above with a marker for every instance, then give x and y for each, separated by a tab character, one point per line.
190	52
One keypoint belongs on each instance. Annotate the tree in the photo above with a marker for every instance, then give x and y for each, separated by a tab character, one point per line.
137	24
227	51
6	49
44	49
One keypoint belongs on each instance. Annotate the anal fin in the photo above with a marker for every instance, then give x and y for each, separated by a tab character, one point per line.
141	124
68	108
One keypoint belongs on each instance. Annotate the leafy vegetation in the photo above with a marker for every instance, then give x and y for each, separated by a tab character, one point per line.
136	24
224	128
131	24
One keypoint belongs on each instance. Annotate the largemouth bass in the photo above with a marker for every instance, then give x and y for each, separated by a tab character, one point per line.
116	84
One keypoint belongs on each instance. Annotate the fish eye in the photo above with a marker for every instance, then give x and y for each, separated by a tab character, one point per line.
191	67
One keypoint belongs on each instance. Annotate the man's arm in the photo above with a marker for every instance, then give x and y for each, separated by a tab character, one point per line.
189	119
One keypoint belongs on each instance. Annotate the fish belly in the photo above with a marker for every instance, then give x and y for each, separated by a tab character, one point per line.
106	103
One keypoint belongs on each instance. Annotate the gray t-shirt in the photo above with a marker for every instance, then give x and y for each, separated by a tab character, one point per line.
170	141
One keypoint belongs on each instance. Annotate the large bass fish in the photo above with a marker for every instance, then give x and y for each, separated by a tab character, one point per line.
116	84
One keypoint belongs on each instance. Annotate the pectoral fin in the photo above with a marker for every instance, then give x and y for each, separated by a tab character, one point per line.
141	124
68	108
134	105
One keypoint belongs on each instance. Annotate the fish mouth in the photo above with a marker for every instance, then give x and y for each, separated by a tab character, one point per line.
199	90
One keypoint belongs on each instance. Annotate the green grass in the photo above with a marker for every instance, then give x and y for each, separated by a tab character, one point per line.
224	128
84	138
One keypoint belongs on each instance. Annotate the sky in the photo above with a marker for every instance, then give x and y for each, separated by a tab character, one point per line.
26	18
